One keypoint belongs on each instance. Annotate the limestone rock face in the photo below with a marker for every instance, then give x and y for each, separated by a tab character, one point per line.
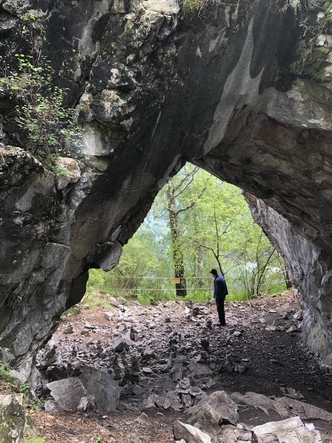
154	88
310	269
12	419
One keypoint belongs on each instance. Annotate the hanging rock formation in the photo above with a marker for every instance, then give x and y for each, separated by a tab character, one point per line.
232	87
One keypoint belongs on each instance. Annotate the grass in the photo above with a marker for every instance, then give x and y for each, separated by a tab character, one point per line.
237	296
91	299
76	309
36	440
198	297
6	376
101	298
100	301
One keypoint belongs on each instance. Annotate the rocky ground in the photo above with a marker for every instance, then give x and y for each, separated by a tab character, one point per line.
166	356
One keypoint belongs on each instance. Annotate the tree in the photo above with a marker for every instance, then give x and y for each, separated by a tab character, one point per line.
217	211
197	223
137	262
179	201
219	231
178	260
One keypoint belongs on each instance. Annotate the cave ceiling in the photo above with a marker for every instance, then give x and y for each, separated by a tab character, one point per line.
237	89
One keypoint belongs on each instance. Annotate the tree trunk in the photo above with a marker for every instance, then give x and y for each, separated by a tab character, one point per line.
178	260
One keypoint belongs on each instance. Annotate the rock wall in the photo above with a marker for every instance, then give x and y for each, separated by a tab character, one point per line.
310	270
154	88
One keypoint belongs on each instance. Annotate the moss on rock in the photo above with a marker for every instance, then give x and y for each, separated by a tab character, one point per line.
310	63
12	419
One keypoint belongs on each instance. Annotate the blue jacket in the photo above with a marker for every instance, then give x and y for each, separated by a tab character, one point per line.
220	289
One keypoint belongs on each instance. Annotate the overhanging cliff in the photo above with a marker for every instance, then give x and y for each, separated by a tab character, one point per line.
153	88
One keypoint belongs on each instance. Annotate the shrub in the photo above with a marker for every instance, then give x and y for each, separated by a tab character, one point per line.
46	126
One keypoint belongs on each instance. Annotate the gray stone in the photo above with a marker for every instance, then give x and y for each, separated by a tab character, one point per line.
87	403
190	434
52	407
231	434
199	369
147	353
183	386
12	419
143	418
284	406
71	172
102	387
67	393
291	430
149	403
16	8
217	408
122	343
174	401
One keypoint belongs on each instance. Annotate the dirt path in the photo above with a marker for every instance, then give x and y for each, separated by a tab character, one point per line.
260	350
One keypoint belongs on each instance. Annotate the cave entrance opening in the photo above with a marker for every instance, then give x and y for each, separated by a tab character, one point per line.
196	223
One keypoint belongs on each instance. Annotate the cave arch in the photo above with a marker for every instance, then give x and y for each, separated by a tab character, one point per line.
153	90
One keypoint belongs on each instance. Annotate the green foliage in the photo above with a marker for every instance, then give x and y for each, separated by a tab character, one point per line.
138	260
33	105
238	296
191	7
96	280
198	297
24	388
73	310
328	10
311	62
6	376
49	129
311	57
217	231
95	299
36	440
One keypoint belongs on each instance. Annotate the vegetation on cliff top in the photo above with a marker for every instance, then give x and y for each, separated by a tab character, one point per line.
32	103
314	20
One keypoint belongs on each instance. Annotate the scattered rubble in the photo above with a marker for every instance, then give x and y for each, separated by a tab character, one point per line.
253	371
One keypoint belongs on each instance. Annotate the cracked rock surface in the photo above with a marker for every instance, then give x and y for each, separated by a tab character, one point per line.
153	89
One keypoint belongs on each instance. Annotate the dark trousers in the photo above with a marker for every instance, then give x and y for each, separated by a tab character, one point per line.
221	312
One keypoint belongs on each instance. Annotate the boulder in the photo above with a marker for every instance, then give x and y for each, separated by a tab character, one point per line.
190	434
217	407
67	393
212	411
94	389
291	430
12	419
285	407
102	387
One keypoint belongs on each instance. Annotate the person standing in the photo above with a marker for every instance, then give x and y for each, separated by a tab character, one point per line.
220	292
